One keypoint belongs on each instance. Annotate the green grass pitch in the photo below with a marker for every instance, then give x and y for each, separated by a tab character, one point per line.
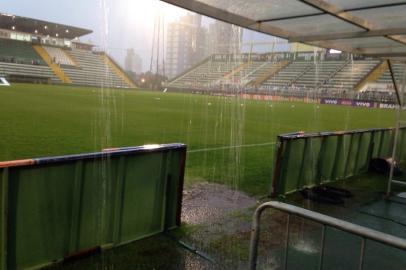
230	140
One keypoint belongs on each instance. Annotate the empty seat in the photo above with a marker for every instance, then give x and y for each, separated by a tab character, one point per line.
350	75
206	75
59	56
12	69
19	52
93	70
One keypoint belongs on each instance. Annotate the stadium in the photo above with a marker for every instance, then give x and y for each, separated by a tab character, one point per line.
217	156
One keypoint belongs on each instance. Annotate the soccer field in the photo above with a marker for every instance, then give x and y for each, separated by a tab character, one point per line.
230	140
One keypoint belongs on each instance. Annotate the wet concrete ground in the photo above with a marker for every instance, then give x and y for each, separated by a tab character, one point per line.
209	202
214	219
216	231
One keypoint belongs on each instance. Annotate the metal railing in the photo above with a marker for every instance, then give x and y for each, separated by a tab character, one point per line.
400	95
326	221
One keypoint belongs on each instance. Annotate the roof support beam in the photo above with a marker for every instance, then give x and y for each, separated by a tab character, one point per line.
338	13
364	34
384	55
347	17
323	12
395	85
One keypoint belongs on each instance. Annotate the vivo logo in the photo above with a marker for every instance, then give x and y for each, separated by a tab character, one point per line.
331	101
363	104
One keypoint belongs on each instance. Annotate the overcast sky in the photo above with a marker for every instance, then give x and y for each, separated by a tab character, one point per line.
117	24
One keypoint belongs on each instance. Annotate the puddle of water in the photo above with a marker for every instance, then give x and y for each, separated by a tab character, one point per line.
209	202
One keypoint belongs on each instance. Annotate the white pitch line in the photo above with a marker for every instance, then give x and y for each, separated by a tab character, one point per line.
231	147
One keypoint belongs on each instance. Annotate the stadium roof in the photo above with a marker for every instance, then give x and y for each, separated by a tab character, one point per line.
28	25
370	27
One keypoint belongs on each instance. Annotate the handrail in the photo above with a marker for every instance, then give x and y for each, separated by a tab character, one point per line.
342	225
303	135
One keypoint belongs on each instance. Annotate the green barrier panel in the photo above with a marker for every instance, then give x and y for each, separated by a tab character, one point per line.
402	147
305	160
56	208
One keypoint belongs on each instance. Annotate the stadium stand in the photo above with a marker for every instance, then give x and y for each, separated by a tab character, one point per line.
55	57
117	69
319	73
288	75
205	75
59	56
28	73
339	77
19	52
21	62
56	69
386	78
238	74
350	75
259	70
248	72
93	71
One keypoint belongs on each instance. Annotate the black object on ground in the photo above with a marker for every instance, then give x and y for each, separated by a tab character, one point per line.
332	191
383	165
310	194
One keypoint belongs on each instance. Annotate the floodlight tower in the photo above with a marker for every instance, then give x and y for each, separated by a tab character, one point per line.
158	45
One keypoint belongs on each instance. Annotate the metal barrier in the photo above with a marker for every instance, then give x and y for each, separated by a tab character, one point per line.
59	207
363	232
315	158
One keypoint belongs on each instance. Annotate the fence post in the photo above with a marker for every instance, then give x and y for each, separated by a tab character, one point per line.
278	171
255	231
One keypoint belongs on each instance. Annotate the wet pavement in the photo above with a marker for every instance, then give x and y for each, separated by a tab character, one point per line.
216	230
209	202
216	225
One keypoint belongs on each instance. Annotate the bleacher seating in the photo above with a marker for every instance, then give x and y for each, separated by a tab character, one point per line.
288	75
350	75
243	74
59	56
27	62
93	71
253	70
260	70
398	70
205	75
318	73
18	52
331	75
12	69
